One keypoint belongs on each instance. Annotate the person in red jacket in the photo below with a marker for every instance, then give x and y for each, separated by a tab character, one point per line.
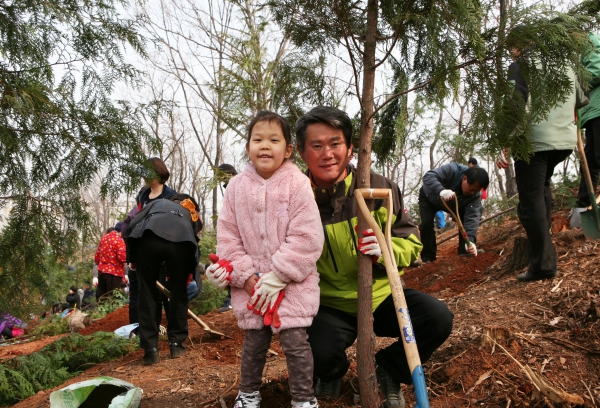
110	258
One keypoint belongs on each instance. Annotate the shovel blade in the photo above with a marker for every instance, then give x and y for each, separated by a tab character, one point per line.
589	224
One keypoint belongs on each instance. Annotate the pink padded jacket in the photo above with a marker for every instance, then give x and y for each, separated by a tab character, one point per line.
272	226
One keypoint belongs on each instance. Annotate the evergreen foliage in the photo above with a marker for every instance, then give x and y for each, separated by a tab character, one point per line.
61	62
392	119
210	299
452	49
23	376
50	327
113	302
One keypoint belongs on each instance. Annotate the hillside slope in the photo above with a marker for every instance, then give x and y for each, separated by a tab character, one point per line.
550	326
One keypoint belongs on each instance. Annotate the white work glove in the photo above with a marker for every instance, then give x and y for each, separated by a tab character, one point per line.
219	273
446	195
502	163
471	249
126	279
266	292
369	245
95	282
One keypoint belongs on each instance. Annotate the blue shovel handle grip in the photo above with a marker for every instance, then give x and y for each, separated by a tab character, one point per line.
418	377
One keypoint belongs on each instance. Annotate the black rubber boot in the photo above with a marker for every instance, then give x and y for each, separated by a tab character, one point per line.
151	356
177	350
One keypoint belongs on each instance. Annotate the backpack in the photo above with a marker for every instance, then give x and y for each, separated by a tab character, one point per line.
186	200
189	203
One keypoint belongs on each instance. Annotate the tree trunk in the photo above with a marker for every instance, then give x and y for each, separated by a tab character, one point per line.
511	181
500	182
365	349
438	132
516	259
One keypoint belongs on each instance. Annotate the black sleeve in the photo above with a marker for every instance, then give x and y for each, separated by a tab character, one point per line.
521	88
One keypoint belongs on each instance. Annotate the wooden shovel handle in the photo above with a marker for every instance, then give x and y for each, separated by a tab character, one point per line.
385	242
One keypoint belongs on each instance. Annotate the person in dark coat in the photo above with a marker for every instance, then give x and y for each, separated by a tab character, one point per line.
225	173
164	234
73	298
155	176
452	181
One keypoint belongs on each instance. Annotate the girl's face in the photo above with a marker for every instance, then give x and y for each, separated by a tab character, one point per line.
267	148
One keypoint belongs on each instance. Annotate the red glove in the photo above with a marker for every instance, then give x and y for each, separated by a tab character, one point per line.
219	273
272	315
502	162
369	245
265	293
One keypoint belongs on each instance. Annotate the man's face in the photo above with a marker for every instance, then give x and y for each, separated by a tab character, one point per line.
326	154
469	189
514	53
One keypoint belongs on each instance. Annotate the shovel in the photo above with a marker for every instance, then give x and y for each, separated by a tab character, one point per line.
456	218
385	242
166	292
590	219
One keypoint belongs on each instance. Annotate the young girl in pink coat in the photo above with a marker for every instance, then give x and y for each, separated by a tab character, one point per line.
269	237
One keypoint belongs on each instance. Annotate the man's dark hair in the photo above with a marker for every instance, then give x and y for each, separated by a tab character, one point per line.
477	174
333	117
160	168
473	161
268	116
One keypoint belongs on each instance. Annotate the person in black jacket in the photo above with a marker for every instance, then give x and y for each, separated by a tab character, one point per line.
164	234
73	298
450	182
225	173
155	175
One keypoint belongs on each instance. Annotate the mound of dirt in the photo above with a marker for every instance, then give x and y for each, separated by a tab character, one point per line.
108	323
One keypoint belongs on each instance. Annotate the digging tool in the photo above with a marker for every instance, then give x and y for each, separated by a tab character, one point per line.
385	242
206	328
456	218
590	219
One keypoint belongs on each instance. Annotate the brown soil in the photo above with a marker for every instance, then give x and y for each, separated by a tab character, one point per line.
27	347
551	326
110	323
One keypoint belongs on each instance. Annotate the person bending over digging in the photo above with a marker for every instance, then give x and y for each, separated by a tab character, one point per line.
269	238
450	182
324	137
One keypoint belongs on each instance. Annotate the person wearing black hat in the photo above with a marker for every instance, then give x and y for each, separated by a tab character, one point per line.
110	258
73	298
226	172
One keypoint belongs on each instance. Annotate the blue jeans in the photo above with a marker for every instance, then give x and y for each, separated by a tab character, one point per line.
193	291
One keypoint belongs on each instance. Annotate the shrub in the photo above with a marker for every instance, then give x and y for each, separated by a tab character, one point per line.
23	376
116	301
564	193
210	299
51	327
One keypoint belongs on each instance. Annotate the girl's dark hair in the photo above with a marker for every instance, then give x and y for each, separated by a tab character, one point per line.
160	168
268	116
